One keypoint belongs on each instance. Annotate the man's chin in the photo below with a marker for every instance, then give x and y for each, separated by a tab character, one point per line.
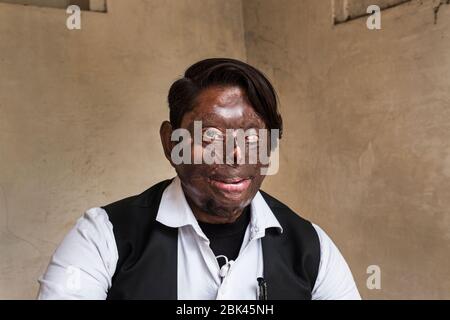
226	207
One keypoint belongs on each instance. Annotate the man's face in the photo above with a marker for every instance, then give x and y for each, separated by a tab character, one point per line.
221	189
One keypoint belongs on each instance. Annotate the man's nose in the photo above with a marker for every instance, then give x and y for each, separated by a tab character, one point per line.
233	154
237	154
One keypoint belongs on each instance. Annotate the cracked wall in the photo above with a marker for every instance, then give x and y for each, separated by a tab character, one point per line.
437	7
345	10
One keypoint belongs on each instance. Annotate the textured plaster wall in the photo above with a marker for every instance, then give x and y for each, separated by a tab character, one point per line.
366	152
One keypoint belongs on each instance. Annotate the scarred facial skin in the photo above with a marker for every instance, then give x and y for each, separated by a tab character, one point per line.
218	193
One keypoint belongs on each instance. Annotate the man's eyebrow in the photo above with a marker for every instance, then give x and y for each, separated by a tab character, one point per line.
209	117
211	120
207	120
204	119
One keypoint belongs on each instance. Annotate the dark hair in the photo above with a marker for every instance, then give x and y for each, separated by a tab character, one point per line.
224	72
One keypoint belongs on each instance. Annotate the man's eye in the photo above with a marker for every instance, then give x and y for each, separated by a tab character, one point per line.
252	138
212	135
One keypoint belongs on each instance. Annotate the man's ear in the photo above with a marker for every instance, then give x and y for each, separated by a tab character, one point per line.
165	133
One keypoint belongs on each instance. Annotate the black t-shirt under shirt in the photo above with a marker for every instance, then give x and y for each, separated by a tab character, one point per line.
226	239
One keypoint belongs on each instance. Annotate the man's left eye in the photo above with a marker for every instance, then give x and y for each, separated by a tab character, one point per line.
211	135
252	138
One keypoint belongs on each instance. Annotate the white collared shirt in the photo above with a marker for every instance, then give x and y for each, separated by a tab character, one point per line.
83	265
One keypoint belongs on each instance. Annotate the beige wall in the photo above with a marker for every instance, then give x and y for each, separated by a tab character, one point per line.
365	155
80	113
367	148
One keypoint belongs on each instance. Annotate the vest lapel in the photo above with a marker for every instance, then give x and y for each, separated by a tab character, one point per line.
147	266
161	252
282	282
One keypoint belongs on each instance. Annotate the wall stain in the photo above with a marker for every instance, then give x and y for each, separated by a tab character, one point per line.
438	7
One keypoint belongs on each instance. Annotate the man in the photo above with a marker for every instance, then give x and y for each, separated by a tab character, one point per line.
209	233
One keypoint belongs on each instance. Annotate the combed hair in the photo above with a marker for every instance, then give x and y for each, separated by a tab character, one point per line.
225	72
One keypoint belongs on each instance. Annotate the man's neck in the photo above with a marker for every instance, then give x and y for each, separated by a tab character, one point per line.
203	216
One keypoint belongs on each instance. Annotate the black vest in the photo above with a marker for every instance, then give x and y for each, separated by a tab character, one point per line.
147	265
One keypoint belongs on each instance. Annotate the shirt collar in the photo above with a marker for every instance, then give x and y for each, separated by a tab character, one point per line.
175	212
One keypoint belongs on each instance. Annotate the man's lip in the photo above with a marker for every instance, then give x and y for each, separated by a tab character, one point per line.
229	180
236	185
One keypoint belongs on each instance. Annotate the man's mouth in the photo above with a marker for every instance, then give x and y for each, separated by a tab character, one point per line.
230	184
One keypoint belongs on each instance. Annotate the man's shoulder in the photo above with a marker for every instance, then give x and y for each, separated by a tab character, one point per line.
299	242
142	199
145	202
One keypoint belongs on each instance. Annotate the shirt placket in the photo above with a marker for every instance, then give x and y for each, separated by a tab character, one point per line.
252	234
